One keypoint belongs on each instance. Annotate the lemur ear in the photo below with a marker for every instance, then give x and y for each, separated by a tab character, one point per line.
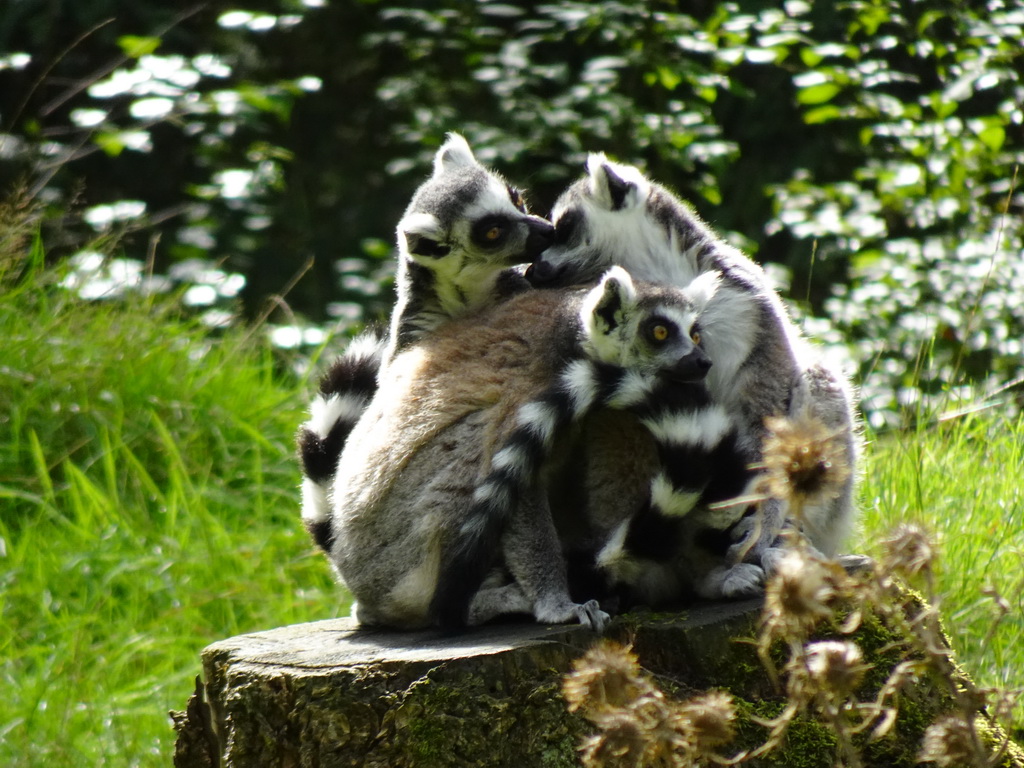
609	185
423	235
454	153
605	311
616	298
702	288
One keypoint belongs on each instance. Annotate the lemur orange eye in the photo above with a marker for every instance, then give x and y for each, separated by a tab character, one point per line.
659	332
695	336
493	233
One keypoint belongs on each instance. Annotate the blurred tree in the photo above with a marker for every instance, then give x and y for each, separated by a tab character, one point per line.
866	148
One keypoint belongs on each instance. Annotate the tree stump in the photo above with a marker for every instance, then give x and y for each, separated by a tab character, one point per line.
331	694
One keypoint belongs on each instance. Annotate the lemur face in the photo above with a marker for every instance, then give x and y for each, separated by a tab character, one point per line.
601	220
466	215
655	330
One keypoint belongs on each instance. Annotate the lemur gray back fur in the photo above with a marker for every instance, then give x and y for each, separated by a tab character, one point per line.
614	215
461	233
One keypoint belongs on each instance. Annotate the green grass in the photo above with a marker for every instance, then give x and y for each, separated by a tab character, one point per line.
149	506
961	479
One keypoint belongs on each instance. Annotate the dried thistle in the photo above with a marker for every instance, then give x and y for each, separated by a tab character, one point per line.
606	676
637	724
799	594
835	667
651	731
949	741
710	719
803	458
622	741
671	735
910	549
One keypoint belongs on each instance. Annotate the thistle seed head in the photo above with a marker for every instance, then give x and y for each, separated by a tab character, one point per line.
836	667
710	716
948	742
803	458
622	741
910	549
606	676
799	594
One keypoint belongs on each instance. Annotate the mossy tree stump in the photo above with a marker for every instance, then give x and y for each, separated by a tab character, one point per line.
331	694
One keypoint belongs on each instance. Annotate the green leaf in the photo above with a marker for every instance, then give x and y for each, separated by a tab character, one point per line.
680	140
822	114
375	247
266	100
135	46
668	78
110	143
712	194
817	94
810	57
864	259
707	94
928	18
942	108
993	137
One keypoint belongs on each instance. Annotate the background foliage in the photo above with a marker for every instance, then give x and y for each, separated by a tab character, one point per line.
868	148
190	161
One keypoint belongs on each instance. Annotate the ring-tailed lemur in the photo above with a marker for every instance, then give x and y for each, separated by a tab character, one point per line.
412	465
614	215
639	351
461	233
463	230
343	394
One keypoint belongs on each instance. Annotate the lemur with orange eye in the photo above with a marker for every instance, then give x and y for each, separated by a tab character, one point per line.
461	420
460	237
763	366
637	348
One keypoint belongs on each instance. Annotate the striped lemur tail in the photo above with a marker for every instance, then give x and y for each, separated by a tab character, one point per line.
344	392
638	350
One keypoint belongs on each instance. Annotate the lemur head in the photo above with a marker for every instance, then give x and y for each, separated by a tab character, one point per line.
650	328
465	215
613	215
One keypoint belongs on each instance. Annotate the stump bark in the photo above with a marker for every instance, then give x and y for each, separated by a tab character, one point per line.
331	694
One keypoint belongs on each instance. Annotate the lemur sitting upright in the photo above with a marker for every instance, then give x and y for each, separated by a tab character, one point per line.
637	348
414	463
461	233
763	368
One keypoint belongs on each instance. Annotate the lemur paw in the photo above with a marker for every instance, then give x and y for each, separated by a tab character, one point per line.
732	581
589	614
750	538
770	559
